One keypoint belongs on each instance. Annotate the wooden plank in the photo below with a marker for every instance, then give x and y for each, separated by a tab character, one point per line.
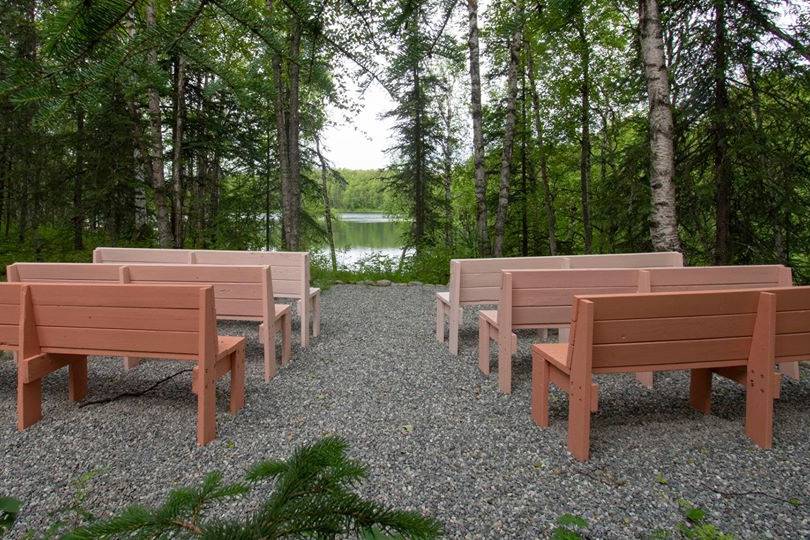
294	259
244	291
655	305
9	336
481	295
292	289
195	274
676	366
528	279
116	341
673	328
10	293
791	322
147	255
539	315
792	298
137	354
485	266
115	295
61	272
238	308
185	320
745	276
793	345
9	314
632	355
562	296
627	260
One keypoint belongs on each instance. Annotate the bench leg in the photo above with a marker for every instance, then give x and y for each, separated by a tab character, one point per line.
268	338
316	315
505	363
29	403
700	390
237	380
759	396
439	321
454	318
579	421
303	312
484	337
286	339
131	362
206	407
646	378
77	379
540	382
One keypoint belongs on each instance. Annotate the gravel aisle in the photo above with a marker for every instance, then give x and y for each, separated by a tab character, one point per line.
435	433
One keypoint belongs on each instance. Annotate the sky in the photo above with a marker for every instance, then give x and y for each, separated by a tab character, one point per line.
359	142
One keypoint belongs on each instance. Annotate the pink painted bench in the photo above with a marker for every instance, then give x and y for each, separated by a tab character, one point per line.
62	324
478	281
543	299
241	293
737	333
290	273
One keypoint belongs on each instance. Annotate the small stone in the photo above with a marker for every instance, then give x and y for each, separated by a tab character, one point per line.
415	283
382	283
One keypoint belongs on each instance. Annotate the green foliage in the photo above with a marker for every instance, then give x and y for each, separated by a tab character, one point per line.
312	496
569	527
696	527
9	508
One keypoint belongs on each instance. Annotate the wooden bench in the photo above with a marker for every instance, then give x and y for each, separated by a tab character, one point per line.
62	324
241	293
290	273
478	281
541	299
737	333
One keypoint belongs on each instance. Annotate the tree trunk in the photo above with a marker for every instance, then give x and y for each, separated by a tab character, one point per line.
508	140
177	149
78	213
419	173
663	219
327	207
548	197
27	52
448	174
585	137
524	207
481	227
165	238
291	190
722	172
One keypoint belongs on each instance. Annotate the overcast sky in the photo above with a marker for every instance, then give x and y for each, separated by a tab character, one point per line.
359	142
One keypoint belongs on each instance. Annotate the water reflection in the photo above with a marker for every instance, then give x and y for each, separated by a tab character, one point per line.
360	234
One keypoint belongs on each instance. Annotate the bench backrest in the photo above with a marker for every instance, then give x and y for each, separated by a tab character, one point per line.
697	278
684	330
103	319
142	255
530	298
10	295
478	281
290	268
240	292
63	273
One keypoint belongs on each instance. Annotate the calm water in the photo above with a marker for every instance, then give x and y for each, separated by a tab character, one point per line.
358	235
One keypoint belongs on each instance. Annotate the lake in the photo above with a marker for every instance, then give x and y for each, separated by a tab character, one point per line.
360	234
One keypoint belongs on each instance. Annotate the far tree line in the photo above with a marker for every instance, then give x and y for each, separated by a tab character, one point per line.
525	128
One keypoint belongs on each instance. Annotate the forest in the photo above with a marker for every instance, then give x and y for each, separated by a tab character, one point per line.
521	127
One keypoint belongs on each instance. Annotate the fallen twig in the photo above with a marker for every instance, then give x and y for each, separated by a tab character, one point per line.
133	394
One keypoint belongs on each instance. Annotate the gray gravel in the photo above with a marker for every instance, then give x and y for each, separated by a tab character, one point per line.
435	433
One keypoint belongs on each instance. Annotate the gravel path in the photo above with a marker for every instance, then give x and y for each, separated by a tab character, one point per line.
435	433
